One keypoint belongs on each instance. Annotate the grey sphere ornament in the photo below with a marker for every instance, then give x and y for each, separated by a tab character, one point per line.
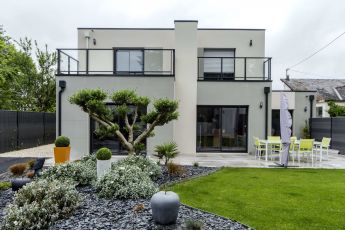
165	207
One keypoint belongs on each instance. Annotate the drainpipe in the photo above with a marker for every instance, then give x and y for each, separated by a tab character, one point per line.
267	90
62	85
311	100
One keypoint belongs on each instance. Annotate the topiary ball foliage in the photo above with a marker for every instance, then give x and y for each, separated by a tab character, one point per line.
103	154
62	141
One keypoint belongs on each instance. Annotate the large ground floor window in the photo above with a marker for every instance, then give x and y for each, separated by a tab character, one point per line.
98	140
222	128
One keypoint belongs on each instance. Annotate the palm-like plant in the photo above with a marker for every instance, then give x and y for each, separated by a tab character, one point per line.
166	151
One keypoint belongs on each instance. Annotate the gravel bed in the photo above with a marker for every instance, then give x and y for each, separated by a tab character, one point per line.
99	213
6	197
7	176
189	172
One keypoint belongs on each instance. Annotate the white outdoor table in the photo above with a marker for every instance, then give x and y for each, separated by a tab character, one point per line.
269	142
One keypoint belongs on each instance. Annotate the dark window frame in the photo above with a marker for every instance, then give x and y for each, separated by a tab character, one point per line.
220	150
119	152
140	73
220	75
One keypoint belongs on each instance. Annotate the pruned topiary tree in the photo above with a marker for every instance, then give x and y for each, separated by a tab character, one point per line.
92	101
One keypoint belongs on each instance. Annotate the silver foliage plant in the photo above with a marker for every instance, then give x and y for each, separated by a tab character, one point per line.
126	182
145	164
82	172
39	204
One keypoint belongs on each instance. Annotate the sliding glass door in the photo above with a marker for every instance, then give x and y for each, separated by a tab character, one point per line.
222	128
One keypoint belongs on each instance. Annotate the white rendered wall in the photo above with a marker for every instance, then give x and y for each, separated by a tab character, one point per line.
186	85
76	123
276	99
249	94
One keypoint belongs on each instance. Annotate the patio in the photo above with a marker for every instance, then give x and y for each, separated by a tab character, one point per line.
242	160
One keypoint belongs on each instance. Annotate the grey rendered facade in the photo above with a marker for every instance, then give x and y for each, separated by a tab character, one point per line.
219	77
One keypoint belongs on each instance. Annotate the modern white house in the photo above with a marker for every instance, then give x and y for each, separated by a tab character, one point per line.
220	77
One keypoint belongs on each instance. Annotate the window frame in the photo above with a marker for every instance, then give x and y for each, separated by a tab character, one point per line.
220	74
116	72
120	149
220	150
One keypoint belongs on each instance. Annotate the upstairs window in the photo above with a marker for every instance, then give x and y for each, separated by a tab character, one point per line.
219	63
129	61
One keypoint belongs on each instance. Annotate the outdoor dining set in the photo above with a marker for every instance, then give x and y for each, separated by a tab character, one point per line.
299	149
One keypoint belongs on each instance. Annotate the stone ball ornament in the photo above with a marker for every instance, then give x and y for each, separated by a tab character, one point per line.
165	207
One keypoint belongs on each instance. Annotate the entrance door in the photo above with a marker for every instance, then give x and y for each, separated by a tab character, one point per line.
222	128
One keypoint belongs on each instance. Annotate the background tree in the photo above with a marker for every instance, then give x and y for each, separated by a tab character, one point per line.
27	81
127	104
335	110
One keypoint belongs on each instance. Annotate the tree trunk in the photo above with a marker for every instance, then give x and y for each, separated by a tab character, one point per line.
131	151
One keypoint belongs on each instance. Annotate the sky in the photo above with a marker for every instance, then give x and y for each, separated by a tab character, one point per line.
294	29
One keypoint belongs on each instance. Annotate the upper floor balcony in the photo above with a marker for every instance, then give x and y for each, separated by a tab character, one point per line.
234	68
117	61
218	65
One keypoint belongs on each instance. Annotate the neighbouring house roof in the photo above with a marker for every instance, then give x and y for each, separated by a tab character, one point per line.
327	89
341	91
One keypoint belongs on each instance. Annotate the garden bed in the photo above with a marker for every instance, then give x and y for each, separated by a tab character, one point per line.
100	213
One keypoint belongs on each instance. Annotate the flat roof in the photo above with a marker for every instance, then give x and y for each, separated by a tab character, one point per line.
109	28
291	91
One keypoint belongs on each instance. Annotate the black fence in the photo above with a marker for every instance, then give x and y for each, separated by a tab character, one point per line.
333	127
19	130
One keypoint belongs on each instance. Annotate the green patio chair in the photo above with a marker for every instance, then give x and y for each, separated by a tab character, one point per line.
325	144
259	148
293	148
306	146
275	149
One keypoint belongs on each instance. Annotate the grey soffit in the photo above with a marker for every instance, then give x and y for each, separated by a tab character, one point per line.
327	89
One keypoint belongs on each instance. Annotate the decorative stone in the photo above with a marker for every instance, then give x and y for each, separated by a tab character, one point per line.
102	167
19	183
165	207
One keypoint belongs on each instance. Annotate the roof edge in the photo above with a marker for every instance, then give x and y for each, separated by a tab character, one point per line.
128	28
296	91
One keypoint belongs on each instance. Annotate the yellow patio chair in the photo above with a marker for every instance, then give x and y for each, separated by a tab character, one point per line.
325	144
293	148
275	148
306	146
259	148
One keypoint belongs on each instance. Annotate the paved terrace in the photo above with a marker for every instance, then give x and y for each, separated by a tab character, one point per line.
335	160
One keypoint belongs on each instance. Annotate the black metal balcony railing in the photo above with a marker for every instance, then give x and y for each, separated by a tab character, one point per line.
122	62
234	68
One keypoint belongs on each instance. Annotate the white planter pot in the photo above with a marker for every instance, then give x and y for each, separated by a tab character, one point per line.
102	167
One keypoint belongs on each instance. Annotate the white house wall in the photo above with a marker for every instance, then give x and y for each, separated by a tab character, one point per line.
188	42
237	93
276	99
76	123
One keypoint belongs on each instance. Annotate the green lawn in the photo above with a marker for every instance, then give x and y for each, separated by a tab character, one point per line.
271	198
